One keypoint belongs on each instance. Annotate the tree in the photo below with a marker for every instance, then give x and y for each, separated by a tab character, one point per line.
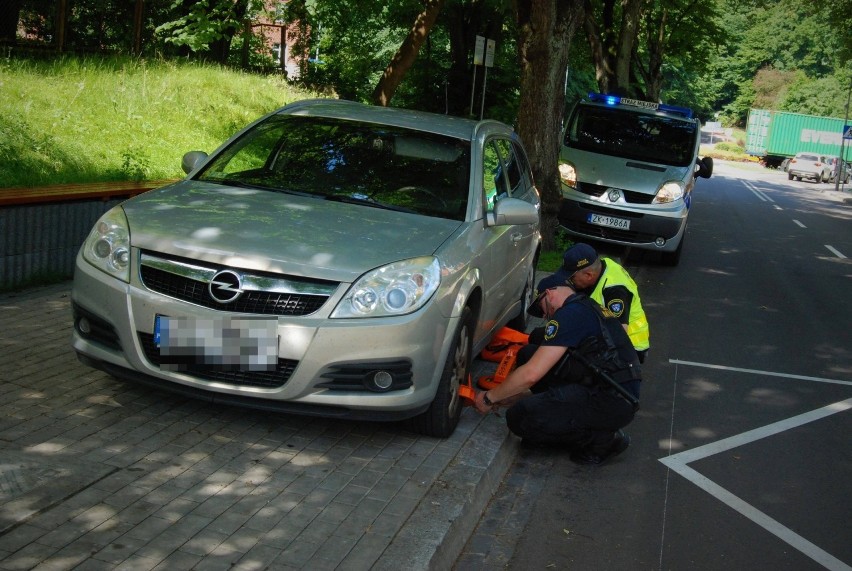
684	32
9	21
612	42
407	52
208	26
545	30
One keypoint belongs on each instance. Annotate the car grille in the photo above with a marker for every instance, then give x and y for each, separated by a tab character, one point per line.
630	196
261	379
264	294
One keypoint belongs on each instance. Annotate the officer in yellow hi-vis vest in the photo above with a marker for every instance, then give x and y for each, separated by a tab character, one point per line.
606	282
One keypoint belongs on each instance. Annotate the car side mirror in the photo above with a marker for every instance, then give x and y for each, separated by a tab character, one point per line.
510	211
192	160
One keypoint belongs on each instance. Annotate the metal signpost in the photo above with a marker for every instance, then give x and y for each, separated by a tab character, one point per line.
483	54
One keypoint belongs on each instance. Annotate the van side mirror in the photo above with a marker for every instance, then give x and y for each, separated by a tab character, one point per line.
704	167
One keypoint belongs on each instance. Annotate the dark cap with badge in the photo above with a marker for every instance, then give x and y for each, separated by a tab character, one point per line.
557	279
577	257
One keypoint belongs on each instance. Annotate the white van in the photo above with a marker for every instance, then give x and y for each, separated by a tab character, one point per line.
628	168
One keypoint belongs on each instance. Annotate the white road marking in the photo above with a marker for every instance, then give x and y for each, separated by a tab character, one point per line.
678	463
758	193
758	372
799	224
835	252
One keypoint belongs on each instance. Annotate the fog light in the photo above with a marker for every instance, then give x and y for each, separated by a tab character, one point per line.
84	326
660	242
382	380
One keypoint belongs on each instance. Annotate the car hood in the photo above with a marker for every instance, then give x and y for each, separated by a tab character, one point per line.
276	232
634	175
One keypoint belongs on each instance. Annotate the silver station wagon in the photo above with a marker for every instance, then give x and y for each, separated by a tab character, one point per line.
331	259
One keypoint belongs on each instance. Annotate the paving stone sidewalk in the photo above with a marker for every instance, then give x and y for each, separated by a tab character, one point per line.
97	473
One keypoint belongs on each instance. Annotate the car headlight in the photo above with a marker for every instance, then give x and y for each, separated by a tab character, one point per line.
568	174
669	192
395	289
108	245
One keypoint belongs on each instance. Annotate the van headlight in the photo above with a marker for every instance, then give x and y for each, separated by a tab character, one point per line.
568	174
396	289
108	245
669	192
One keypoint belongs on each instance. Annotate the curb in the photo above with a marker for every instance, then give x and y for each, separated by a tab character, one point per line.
435	534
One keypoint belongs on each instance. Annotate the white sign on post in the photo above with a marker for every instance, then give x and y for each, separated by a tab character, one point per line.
489	53
479	50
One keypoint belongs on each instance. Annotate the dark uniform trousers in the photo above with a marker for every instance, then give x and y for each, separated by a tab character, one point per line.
573	415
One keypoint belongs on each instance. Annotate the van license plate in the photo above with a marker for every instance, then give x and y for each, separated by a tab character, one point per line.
608	221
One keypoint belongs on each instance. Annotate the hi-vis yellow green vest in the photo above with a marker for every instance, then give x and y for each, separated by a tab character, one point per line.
637	325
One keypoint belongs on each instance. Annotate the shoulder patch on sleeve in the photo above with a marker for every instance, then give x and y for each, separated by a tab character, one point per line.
551	329
616	306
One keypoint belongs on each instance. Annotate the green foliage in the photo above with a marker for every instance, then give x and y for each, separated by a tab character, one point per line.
109	119
823	96
136	164
551	260
782	55
730	148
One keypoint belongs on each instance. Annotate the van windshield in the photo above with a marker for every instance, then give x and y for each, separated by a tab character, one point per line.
638	136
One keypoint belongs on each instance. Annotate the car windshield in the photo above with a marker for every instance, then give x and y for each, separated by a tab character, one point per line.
333	159
637	136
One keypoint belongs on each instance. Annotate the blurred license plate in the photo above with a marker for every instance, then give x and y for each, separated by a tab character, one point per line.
608	221
229	343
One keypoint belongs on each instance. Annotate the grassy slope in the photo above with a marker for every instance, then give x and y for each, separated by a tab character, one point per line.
88	120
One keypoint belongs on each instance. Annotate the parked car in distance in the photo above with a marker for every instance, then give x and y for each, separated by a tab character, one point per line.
845	170
331	259
808	165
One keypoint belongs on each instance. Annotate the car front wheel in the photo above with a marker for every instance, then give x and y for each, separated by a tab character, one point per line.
442	416
519	323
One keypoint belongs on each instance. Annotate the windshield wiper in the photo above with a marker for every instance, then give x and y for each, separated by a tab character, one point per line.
243	184
368	202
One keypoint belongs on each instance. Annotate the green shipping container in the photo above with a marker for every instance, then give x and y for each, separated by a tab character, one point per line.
783	134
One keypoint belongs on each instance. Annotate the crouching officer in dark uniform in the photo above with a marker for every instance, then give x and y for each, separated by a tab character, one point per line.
580	386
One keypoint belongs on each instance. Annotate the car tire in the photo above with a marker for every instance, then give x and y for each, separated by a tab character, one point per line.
442	416
789	176
673	258
520	322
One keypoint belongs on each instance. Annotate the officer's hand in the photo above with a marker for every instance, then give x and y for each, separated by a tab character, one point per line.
480	405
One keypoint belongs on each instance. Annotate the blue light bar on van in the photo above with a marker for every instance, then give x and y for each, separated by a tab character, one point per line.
618	100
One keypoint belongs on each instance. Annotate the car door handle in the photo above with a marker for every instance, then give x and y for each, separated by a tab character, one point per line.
517	237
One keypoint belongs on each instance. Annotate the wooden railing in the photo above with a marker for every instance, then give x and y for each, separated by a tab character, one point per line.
13	196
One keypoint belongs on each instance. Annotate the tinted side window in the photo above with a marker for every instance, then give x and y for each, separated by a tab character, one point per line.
512	168
493	179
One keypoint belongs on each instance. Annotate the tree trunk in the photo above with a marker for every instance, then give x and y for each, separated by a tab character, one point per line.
545	30
220	49
611	45
407	53
9	21
631	12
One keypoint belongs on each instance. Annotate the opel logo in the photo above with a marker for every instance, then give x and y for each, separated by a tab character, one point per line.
225	286
613	194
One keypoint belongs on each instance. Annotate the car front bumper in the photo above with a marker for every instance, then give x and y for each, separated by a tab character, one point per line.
646	225
322	361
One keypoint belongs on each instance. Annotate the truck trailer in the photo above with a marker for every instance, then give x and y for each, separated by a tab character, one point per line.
776	136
